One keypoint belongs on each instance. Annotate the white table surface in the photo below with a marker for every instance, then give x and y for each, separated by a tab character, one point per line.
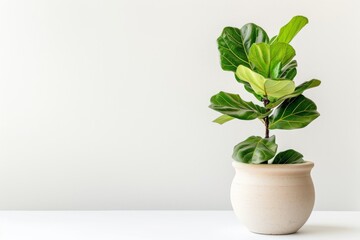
161	225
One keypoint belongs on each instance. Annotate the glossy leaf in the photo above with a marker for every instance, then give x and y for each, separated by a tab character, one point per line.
289	71
288	157
289	31
290	74
281	54
294	113
233	106
248	88
277	89
223	119
272	40
255	150
259	55
234	45
256	80
276	71
298	90
268	60
265	87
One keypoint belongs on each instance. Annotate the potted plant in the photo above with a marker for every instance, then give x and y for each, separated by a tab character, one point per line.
272	193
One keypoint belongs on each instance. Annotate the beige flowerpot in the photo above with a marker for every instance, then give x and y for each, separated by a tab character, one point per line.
273	199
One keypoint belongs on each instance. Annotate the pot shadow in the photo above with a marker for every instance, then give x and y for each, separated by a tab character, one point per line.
333	230
309	231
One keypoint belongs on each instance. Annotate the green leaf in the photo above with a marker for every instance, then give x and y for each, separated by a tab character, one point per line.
294	113
269	59
256	80
289	31
289	71
259	55
276	71
223	119
288	157
273	39
248	88
234	45
265	87
298	90
291	74
277	89
233	106
255	150
281	54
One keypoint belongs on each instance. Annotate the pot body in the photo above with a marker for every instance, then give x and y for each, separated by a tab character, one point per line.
273	198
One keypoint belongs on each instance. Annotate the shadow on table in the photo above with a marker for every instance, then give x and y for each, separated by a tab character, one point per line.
325	230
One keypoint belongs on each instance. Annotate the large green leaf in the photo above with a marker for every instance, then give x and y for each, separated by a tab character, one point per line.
265	87
288	157
233	106
223	119
298	90
289	31
281	55
294	113
234	45
255	150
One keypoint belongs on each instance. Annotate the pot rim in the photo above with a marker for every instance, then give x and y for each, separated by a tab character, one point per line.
274	168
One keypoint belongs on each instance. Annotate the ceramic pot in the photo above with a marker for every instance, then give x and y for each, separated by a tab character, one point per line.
273	198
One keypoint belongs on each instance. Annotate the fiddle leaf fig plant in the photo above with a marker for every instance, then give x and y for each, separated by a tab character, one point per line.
266	67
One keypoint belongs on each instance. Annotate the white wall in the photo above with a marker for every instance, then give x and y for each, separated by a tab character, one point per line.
103	104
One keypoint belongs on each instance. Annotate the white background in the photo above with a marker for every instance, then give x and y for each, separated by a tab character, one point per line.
103	104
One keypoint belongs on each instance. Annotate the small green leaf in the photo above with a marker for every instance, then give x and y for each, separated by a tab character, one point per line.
288	157
289	31
233	106
223	119
255	150
294	113
234	45
298	90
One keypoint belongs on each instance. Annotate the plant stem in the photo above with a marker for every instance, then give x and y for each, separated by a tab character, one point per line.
266	122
